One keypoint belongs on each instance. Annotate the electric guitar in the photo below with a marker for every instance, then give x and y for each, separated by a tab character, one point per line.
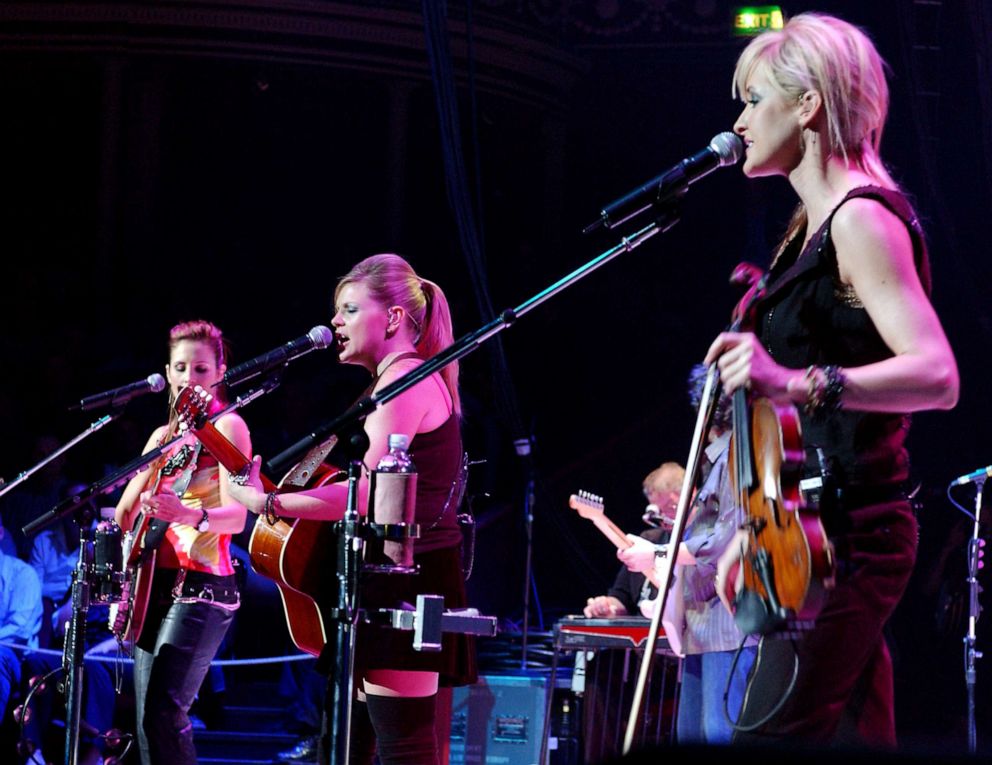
140	543
591	507
296	553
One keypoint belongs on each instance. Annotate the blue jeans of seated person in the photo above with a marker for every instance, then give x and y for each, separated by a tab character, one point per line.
701	717
10	675
167	679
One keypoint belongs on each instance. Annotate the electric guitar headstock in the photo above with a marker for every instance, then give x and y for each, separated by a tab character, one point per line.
587	504
193	407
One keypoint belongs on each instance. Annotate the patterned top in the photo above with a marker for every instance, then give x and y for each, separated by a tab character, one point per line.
184	546
707	625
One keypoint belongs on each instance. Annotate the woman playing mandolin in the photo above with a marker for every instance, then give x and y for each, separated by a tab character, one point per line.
388	320
193	594
845	332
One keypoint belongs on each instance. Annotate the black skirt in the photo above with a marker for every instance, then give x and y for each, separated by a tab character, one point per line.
378	647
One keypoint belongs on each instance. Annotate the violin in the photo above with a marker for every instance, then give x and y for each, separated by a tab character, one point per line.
788	563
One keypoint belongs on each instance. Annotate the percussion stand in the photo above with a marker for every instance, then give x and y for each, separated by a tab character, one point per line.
971	654
350	547
74	644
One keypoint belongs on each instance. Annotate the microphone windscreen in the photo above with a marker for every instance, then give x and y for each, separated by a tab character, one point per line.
321	337
156	382
728	147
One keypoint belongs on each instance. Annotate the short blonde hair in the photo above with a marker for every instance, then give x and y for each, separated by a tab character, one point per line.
837	59
670	474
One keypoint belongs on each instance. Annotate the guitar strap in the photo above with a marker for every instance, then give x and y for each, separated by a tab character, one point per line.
184	459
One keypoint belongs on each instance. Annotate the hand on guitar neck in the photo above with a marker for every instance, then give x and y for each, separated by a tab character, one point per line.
635	552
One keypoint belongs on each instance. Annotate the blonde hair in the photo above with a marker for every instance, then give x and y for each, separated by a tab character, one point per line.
838	60
391	281
671	474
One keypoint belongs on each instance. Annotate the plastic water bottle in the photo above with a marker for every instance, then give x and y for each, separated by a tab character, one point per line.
394	496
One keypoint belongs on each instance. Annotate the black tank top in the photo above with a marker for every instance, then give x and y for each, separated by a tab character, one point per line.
808	316
437	456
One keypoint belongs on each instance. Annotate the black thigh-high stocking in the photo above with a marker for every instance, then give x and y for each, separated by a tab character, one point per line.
404	729
362	749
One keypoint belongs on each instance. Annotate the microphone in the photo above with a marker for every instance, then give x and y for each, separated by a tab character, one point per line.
318	338
725	149
120	396
976	475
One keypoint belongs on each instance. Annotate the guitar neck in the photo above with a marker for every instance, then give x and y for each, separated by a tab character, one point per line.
226	453
611	531
615	534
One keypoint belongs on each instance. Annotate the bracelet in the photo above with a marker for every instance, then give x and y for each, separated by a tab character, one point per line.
824	389
269	508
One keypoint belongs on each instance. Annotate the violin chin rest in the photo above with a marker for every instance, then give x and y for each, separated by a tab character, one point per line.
754	616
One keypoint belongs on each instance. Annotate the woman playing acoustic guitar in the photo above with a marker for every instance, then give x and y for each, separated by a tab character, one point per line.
388	319
193	595
845	332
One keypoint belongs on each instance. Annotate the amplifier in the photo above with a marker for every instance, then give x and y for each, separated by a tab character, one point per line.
498	721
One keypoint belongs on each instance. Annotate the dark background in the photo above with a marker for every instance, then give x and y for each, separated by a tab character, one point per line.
156	169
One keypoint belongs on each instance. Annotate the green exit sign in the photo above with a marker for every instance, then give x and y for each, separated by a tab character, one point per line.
755	19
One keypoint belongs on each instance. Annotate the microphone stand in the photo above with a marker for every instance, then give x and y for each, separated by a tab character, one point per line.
971	655
668	217
131	469
523	447
351	543
74	643
5	487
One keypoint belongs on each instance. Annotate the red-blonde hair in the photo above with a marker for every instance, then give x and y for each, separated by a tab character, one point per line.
391	281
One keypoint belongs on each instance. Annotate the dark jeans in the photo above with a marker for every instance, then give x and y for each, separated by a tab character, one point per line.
843	689
10	675
166	680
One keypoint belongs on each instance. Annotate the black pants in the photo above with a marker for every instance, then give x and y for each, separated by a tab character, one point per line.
843	688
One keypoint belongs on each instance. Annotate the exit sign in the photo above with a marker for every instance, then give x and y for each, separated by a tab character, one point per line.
755	19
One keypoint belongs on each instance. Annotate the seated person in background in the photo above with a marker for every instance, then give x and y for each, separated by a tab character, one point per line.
54	553
20	618
662	487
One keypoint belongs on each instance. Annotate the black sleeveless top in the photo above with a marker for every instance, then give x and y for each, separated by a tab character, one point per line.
808	316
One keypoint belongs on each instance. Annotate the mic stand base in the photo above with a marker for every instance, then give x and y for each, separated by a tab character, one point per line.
971	654
75	641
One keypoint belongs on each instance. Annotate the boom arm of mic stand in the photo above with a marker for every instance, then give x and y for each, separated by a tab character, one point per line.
131	469
5	487
465	345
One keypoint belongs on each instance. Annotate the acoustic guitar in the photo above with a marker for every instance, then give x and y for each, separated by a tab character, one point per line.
297	554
